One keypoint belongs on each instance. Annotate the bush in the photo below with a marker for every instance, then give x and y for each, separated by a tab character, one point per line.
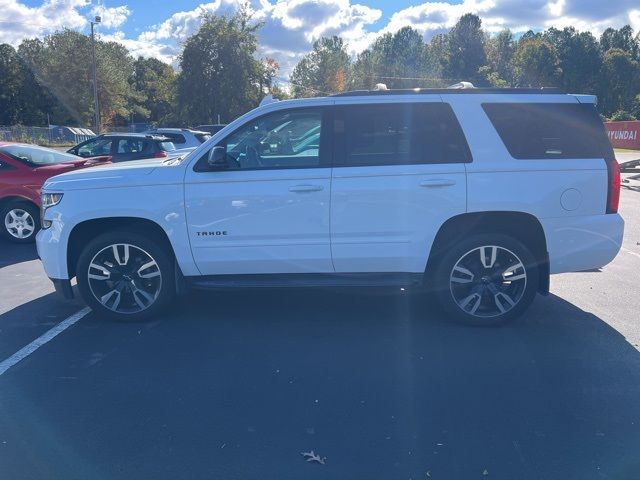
621	116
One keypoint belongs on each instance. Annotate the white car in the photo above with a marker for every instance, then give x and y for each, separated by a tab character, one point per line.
477	195
182	138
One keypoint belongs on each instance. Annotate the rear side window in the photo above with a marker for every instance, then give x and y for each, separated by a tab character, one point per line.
550	130
399	134
130	145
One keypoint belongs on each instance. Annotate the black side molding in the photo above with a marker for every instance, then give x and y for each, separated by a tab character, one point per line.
63	287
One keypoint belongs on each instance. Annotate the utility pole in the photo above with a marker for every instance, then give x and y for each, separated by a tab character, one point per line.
96	106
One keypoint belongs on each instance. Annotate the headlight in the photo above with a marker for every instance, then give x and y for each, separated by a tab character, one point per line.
50	199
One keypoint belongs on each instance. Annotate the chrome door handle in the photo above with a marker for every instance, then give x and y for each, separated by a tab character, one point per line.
306	188
438	182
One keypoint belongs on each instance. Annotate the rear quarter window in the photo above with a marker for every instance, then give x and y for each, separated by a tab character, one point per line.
550	130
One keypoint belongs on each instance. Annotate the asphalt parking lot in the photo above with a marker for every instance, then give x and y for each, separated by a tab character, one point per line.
236	385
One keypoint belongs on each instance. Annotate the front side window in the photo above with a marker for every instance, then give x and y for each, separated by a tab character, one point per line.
94	148
399	134
549	130
287	139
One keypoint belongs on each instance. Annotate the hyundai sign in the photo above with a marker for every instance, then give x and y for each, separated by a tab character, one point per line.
624	134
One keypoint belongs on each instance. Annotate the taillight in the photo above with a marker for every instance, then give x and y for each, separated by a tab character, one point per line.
161	154
613	186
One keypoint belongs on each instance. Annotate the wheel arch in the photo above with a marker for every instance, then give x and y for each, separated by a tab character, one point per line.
84	231
522	226
17	198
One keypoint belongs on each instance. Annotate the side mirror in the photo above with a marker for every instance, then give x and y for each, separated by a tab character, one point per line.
217	159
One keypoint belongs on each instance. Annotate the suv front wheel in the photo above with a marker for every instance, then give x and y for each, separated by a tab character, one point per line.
486	279
125	276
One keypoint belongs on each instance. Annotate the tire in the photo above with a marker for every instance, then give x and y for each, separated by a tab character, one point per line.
486	280
126	276
20	221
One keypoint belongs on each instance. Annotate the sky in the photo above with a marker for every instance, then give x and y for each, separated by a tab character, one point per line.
156	28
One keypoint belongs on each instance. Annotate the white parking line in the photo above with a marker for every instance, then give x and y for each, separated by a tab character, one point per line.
41	340
626	250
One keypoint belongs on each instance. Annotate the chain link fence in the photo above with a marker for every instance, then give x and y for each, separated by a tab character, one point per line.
53	135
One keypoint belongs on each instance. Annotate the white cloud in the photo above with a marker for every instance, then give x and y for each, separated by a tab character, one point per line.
19	21
111	17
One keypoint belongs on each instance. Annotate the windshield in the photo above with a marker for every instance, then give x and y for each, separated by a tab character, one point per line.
203	137
37	155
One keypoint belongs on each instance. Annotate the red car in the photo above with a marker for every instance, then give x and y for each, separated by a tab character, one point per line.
23	170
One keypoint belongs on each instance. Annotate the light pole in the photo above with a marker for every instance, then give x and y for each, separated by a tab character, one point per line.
96	105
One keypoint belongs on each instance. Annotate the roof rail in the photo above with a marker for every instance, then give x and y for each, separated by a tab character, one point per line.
454	91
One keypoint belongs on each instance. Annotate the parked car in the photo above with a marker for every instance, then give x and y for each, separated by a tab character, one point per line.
477	195
212	129
123	147
23	170
182	137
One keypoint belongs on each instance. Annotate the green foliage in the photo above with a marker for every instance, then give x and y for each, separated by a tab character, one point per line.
22	98
61	62
621	116
619	81
500	51
535	63
323	71
154	83
464	51
219	73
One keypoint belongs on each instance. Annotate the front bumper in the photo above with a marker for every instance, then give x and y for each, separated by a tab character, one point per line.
51	245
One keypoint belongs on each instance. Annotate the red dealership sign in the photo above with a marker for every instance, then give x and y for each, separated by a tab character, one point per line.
624	134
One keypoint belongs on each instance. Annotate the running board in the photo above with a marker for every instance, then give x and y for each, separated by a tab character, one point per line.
306	280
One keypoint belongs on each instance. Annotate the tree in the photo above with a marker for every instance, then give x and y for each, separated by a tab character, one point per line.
499	55
622	39
464	52
155	85
219	73
22	98
579	58
61	63
535	63
619	82
324	70
621	116
400	60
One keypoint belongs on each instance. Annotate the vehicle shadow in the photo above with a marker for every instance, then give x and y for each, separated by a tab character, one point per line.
237	384
391	389
12	253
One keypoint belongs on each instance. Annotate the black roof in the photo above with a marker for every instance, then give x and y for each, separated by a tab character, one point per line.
453	91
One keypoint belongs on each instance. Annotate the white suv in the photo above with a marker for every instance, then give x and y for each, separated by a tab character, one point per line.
477	194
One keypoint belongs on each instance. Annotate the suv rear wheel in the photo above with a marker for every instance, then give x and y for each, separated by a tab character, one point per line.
20	221
486	280
125	276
